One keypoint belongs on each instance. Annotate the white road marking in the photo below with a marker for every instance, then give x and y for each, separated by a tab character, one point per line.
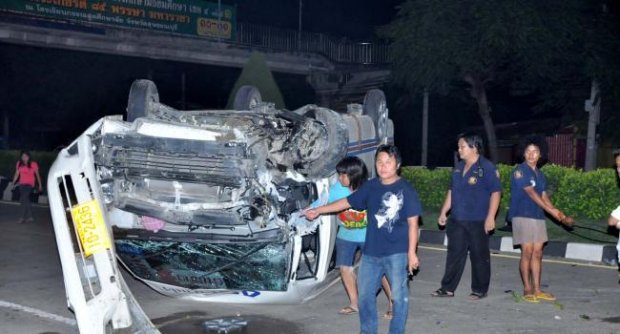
38	313
572	263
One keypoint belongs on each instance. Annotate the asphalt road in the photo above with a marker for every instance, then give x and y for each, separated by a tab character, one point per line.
32	296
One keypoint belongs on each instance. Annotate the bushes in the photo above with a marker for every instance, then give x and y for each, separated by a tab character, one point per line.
504	175
430	184
590	195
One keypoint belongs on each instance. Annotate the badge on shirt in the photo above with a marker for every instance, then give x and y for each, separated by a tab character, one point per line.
533	182
518	174
497	173
472	180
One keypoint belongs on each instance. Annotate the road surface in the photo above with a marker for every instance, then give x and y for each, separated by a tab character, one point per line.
32	296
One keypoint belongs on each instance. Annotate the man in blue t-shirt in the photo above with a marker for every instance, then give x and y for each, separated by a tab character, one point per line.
473	199
352	173
393	208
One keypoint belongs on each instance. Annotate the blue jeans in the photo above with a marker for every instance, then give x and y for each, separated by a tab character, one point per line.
371	270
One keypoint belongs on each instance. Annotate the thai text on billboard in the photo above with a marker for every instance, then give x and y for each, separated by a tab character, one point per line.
190	17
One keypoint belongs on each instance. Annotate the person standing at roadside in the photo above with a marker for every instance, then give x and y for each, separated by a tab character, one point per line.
614	217
352	173
528	189
27	173
472	199
393	209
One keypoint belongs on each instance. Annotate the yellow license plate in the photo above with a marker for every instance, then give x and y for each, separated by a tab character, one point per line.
91	228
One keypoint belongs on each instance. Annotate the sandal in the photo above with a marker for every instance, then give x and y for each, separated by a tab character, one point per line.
531	299
347	311
442	293
477	295
544	296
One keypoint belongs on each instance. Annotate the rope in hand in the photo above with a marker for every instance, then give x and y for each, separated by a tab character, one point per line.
575	225
569	224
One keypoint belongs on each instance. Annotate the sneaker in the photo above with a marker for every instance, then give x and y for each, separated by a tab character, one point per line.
21	221
30	220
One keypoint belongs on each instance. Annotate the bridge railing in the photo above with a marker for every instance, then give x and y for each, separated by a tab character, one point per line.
340	51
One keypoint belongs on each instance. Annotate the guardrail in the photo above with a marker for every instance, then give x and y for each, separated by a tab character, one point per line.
340	51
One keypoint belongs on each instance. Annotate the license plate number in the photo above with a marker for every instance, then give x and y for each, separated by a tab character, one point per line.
91	228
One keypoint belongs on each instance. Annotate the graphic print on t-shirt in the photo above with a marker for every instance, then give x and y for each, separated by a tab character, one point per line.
353	219
390	205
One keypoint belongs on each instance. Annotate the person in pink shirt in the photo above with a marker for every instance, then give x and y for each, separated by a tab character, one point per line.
26	176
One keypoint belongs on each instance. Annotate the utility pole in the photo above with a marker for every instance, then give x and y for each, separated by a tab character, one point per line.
183	106
593	107
219	20
425	128
301	4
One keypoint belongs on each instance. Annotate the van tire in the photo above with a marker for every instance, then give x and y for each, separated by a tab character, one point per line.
246	98
143	98
375	107
337	145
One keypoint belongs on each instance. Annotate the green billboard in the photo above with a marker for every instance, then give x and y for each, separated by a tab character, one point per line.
190	17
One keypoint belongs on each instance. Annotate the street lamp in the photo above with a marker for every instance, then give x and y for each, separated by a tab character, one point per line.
301	5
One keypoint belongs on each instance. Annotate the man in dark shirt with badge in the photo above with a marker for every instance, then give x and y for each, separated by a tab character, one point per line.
473	200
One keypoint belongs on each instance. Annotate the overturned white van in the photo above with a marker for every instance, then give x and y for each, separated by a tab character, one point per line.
205	204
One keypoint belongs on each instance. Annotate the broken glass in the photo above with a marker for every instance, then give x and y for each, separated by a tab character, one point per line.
195	265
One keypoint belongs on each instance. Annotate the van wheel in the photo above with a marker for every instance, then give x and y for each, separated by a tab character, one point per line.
375	107
246	98
143	98
336	142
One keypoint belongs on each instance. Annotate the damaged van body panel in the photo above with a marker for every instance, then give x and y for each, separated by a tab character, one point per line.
203	205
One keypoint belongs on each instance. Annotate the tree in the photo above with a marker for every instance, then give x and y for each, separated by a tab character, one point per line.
529	44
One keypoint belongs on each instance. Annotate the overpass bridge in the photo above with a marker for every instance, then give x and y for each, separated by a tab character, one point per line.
339	71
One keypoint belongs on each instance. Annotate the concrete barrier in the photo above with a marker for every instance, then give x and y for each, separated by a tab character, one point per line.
606	254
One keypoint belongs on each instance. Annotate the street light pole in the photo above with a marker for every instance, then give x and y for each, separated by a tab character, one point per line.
219	20
424	160
299	25
592	106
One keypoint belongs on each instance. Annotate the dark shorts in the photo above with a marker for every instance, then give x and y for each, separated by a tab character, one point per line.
345	252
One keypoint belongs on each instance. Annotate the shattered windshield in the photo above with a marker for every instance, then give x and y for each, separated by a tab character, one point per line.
198	265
